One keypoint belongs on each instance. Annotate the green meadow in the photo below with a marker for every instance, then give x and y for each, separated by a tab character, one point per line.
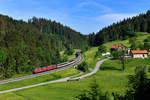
110	78
39	79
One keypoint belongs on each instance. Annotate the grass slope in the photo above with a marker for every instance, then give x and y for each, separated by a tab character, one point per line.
89	57
39	79
110	78
140	37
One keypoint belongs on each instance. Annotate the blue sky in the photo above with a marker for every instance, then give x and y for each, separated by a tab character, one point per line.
85	16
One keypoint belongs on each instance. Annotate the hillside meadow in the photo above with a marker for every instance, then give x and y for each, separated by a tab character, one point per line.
39	79
110	78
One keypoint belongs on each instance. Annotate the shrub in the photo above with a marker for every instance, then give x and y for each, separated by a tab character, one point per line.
83	67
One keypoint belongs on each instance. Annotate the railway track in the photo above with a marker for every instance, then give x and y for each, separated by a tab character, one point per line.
77	61
98	64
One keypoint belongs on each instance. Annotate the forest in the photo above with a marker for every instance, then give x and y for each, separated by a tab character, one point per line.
38	42
121	30
63	35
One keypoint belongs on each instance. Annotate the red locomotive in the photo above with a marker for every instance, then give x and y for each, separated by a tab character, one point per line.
51	67
44	68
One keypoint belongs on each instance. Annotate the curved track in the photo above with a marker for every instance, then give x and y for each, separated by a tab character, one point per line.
77	61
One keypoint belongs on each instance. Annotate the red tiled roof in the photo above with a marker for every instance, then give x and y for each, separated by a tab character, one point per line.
117	45
139	51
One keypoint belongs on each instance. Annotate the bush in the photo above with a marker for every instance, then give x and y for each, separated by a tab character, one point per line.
101	49
64	59
69	50
116	55
94	93
83	67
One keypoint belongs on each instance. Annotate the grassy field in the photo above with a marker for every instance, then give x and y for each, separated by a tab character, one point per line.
89	57
39	79
110	78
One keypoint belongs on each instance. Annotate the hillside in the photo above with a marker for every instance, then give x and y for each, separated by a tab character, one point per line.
24	46
122	30
63	35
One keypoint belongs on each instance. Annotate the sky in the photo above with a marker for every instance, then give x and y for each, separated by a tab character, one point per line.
85	16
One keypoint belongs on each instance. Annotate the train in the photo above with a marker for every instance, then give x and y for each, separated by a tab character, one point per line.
51	67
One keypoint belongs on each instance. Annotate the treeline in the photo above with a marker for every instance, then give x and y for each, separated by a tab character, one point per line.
24	46
121	30
64	35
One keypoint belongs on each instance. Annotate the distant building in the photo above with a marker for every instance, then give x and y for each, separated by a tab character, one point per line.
139	53
106	54
116	47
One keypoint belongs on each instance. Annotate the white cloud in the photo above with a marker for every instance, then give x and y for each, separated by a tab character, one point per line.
88	3
114	17
94	4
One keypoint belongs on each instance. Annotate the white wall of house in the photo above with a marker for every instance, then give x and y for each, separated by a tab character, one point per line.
140	56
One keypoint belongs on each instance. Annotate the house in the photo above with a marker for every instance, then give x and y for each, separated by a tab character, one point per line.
116	47
139	53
